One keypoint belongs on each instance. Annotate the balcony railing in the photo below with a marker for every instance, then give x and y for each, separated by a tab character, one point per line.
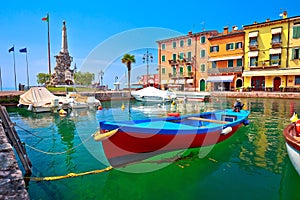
276	43
253	46
173	62
181	75
267	64
225	70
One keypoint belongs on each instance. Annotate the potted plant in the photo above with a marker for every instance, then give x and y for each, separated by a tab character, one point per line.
281	87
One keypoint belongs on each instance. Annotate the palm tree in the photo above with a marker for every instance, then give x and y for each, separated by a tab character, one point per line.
127	60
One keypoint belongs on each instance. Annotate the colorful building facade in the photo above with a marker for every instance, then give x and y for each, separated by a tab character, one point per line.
226	60
271	58
183	61
262	57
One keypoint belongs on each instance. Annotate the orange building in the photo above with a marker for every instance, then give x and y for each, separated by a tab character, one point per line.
183	61
226	60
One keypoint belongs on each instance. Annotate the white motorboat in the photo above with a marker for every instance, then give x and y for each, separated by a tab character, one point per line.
39	99
153	94
77	101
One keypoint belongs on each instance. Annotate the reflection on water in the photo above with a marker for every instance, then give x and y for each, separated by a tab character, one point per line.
254	159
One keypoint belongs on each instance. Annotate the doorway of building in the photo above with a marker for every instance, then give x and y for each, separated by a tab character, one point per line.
202	85
258	82
276	83
238	83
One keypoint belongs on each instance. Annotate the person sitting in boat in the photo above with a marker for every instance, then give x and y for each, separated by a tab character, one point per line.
238	105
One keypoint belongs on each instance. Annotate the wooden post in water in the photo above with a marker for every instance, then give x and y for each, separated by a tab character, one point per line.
14	139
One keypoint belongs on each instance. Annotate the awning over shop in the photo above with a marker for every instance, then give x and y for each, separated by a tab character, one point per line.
180	81
164	81
190	81
276	30
275	51
253	34
225	58
252	54
220	78
279	72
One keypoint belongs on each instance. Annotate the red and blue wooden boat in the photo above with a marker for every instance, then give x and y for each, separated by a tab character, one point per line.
291	135
128	141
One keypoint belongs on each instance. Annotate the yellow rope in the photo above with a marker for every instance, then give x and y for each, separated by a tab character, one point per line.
70	175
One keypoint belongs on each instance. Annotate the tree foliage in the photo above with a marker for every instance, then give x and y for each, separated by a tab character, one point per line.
42	78
85	78
128	59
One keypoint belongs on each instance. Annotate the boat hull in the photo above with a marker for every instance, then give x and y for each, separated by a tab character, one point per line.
127	147
143	139
151	94
151	98
293	145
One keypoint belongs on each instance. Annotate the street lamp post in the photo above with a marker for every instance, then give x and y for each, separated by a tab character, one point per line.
101	74
146	58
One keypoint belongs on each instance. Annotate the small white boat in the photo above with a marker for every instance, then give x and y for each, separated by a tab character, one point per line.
153	94
77	101
194	96
39	99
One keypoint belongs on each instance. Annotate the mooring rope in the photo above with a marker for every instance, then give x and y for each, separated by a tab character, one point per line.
28	131
62	152
70	175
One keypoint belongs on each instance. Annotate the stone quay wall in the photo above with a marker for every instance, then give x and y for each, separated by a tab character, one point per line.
12	185
257	94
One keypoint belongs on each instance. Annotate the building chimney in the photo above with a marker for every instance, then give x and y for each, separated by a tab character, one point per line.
284	15
190	33
254	22
234	28
225	30
268	20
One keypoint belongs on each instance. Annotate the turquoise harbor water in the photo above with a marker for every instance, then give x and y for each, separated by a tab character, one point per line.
252	164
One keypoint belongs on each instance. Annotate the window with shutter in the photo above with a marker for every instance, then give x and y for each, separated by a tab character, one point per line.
202	40
296	32
174	44
174	56
202	53
181	43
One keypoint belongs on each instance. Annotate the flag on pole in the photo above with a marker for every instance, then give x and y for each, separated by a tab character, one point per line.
24	50
11	49
46	18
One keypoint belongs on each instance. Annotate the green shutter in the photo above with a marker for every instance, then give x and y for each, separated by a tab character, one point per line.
293	54
174	57
218	48
202	53
239	62
202	39
296	32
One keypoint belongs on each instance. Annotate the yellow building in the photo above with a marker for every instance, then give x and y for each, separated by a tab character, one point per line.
183	61
268	61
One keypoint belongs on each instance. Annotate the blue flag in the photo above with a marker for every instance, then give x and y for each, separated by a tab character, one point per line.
24	50
11	49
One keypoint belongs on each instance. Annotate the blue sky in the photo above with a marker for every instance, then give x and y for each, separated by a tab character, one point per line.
92	25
